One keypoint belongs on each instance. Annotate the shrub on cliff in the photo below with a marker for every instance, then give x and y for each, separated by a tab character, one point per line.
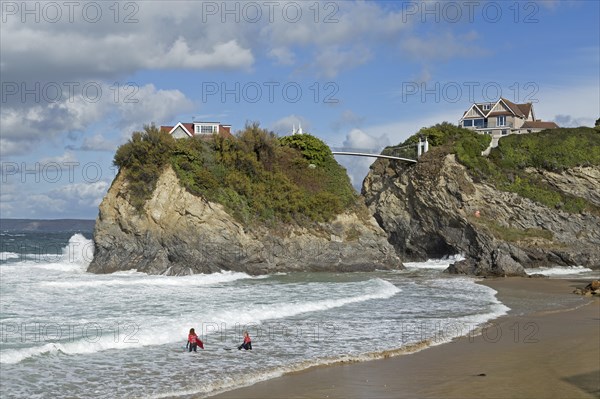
257	176
554	150
142	159
313	149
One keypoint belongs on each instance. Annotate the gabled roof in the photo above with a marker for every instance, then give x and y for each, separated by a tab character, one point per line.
187	127
519	110
476	108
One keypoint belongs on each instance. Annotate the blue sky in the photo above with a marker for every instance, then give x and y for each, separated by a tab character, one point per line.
76	82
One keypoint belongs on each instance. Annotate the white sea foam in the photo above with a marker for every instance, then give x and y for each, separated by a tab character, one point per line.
560	271
435	263
134	279
381	289
8	255
75	257
170	331
130	272
79	251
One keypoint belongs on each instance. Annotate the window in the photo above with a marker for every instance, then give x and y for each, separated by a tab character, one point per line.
478	123
501	121
468	122
504	132
486	107
206	129
197	129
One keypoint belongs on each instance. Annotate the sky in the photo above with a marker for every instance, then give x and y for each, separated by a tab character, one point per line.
77	78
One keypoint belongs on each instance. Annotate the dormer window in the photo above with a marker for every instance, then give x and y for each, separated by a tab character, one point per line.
201	128
206	129
486	107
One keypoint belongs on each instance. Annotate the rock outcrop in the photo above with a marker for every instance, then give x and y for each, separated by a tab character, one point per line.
178	233
592	289
435	208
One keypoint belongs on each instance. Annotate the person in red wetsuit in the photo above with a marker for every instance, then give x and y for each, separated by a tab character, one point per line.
247	345
193	341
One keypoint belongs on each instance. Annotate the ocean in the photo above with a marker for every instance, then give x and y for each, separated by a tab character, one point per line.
71	334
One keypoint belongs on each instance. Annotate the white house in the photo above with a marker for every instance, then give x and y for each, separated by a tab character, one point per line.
503	117
191	129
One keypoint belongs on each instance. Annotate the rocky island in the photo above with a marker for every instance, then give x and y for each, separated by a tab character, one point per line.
254	203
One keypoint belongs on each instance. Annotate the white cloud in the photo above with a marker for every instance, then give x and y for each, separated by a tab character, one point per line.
68	158
577	104
98	143
283	56
329	61
442	46
85	194
108	50
76	200
347	119
360	140
567	121
132	107
339	40
158	106
222	55
357	167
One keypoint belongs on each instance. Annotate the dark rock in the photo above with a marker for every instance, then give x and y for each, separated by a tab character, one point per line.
434	208
592	289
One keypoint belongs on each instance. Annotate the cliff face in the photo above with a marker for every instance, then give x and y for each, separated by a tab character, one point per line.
429	210
178	233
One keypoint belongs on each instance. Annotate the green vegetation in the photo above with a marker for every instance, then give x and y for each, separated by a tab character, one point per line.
466	144
511	234
142	159
506	167
553	150
257	176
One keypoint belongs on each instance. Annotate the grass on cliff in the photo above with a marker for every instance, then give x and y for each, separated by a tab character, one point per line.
511	234
256	175
552	150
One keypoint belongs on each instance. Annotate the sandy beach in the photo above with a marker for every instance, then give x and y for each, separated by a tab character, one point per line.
548	346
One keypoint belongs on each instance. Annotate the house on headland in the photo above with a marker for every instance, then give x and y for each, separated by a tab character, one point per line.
197	129
503	117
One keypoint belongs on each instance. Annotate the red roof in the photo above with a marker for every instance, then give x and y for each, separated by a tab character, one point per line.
539	125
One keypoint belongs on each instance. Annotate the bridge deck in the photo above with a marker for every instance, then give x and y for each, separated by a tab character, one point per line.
372	155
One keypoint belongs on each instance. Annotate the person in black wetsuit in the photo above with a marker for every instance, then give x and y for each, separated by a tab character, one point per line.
247	344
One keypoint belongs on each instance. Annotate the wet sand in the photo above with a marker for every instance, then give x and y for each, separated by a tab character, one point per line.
548	346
